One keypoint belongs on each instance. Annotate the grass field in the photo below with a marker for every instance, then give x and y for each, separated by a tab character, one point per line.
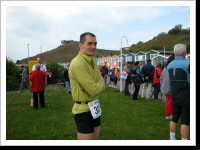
122	118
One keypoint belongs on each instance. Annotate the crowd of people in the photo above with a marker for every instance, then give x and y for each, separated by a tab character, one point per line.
85	80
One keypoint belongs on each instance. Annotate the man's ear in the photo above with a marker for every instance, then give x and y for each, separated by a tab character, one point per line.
80	45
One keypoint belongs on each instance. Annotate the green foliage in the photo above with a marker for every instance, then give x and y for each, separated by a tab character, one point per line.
12	83
13	77
56	70
122	118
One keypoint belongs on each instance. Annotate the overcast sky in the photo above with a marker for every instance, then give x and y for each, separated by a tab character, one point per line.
43	25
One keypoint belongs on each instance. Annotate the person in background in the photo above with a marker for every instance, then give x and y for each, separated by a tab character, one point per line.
179	74
113	78
87	84
102	70
156	80
131	83
105	67
137	80
148	72
165	88
42	68
110	73
127	80
37	78
24	82
66	78
49	77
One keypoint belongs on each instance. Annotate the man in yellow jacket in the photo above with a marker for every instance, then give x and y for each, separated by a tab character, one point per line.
86	85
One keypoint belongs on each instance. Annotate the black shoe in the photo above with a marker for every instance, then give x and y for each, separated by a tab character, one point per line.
135	99
35	108
69	92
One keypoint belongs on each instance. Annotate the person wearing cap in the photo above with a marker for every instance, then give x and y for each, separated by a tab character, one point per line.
87	84
148	72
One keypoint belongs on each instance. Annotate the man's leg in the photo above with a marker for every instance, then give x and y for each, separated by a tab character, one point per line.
172	128
143	89
22	86
42	101
148	90
35	100
89	136
184	131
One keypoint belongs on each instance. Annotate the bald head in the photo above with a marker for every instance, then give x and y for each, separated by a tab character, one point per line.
39	60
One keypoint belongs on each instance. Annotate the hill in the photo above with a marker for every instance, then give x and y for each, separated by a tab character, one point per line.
66	52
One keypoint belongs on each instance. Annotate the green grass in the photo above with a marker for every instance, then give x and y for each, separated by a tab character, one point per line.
122	118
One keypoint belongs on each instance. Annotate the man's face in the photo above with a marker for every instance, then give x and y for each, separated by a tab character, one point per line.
89	46
39	60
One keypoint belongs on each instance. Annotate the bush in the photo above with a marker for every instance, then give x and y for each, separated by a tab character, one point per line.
12	83
12	75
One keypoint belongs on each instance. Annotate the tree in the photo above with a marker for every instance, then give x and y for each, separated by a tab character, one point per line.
13	78
56	70
177	29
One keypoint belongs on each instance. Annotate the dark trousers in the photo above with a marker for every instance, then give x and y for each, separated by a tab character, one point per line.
24	84
135	94
156	90
35	98
126	90
49	80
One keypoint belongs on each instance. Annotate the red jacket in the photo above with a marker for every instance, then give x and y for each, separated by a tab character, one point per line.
156	76
37	78
103	72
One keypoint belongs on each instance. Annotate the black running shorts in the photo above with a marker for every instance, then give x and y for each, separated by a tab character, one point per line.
85	122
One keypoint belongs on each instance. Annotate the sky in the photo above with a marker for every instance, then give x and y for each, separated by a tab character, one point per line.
29	28
34	28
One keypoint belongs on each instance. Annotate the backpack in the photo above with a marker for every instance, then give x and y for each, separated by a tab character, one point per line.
133	73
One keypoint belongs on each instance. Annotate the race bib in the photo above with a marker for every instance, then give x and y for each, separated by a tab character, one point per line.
95	108
124	75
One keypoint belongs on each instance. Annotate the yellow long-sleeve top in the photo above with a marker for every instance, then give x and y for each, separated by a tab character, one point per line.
84	81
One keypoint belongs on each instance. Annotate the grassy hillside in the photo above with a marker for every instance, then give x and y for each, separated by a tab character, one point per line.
158	43
65	53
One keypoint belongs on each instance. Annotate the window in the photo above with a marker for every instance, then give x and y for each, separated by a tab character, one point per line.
140	57
153	55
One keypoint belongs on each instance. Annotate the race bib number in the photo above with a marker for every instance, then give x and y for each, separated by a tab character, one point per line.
95	108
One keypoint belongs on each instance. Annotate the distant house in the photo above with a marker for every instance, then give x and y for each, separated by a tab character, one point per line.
109	60
141	57
158	56
130	57
98	59
114	61
102	60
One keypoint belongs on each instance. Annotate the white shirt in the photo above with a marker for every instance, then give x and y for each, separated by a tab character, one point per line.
42	67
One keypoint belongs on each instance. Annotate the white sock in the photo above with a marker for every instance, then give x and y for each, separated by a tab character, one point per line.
184	139
172	136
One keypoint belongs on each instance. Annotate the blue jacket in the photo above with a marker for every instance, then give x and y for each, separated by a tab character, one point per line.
180	81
